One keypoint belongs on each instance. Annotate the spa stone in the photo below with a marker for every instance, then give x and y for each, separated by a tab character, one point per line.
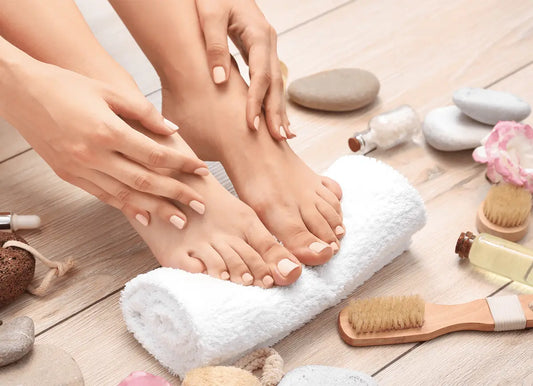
343	89
47	363
447	129
490	106
16	339
315	375
17	267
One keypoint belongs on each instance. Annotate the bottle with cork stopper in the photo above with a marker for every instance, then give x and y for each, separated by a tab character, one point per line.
497	255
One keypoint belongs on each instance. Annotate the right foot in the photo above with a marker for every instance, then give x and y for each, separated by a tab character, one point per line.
228	241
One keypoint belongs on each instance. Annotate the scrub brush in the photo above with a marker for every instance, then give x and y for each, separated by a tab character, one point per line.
505	212
405	319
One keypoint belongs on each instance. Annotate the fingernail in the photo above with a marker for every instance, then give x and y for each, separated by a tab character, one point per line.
318	247
286	266
172	126
282	132
198	207
202	171
142	219
178	222
247	278
339	230
256	122
268	281
334	246
224	275
219	75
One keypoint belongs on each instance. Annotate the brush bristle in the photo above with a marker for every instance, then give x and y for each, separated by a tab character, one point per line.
507	205
387	313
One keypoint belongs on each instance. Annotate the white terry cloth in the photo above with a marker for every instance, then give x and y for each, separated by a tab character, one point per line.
190	320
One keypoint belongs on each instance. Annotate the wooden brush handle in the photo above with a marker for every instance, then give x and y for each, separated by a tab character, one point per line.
439	320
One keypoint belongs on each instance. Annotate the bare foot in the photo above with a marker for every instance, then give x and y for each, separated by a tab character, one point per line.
228	241
301	208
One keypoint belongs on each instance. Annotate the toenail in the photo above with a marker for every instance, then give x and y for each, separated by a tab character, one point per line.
334	246
286	266
318	246
197	206
202	171
171	125
339	230
247	278
224	275
268	281
178	222
142	219
282	132
256	122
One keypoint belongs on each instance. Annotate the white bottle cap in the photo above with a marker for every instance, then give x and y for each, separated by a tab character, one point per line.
25	222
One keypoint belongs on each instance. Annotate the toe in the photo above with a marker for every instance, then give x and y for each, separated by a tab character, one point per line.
284	267
212	260
333	186
317	224
238	270
332	217
182	260
260	272
328	196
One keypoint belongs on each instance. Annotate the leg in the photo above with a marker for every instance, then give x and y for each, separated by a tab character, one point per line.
299	207
229	241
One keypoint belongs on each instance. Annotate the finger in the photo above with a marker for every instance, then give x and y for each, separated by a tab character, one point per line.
145	180
133	105
130	197
142	148
129	211
214	23
260	78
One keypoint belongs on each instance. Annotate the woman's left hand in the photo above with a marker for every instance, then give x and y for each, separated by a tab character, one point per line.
245	24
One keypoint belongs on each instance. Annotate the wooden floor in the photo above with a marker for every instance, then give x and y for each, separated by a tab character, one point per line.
421	51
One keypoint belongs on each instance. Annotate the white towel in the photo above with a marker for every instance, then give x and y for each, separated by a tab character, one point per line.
190	320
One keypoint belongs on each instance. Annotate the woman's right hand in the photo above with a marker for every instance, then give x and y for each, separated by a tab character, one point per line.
77	126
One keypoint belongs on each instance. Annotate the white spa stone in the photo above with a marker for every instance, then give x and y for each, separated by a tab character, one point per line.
447	129
490	106
16	339
314	375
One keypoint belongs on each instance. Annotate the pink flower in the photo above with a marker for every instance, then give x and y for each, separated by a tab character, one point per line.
508	153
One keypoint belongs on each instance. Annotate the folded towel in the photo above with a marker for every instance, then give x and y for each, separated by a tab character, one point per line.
190	320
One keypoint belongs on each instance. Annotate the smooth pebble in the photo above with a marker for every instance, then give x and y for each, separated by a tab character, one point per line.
46	365
490	106
315	375
447	129
342	89
16	339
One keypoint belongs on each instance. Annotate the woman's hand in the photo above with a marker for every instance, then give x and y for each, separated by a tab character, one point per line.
77	126
255	38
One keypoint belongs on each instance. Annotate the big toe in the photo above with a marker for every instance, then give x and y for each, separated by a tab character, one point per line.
308	248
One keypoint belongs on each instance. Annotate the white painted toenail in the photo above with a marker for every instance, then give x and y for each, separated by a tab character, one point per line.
286	266
268	281
171	125
282	132
339	230
142	219
224	275
334	246
202	171
256	122
318	247
198	207
247	278
178	222
219	75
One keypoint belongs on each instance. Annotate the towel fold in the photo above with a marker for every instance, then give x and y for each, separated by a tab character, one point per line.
190	320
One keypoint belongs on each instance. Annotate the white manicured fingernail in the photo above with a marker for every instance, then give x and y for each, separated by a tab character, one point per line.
219	75
178	222
197	206
318	247
142	219
286	266
282	132
202	171
172	126
256	122
339	230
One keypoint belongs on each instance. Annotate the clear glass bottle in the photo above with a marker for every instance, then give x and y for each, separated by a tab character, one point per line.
497	255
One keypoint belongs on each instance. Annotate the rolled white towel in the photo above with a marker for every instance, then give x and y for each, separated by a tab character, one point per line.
190	320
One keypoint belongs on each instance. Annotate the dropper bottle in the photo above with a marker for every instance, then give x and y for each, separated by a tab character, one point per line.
497	255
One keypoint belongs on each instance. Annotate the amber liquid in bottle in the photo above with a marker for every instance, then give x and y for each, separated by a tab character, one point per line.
497	255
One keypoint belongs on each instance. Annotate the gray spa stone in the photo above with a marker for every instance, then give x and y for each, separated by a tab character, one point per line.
490	106
16	339
447	129
45	365
314	375
342	89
